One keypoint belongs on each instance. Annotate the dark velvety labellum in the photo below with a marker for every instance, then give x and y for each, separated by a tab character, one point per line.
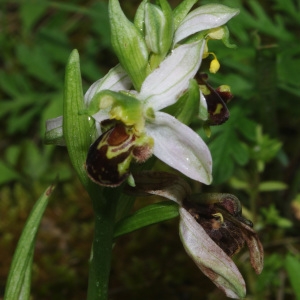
225	95
222	222
105	155
117	136
216	107
230	203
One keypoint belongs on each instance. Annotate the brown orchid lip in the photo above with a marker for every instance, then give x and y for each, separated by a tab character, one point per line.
109	157
216	101
226	226
212	228
216	224
209	257
118	135
102	169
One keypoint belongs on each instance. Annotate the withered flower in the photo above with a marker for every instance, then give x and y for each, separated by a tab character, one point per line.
212	229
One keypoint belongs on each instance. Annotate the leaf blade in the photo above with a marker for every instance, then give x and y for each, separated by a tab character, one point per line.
146	216
20	271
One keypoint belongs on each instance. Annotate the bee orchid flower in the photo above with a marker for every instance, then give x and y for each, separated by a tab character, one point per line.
160	54
212	229
144	128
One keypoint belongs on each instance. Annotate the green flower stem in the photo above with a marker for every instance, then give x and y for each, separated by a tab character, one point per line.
105	209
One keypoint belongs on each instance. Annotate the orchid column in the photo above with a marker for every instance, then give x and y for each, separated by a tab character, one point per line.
142	107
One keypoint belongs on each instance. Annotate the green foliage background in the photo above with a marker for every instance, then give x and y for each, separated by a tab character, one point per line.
256	154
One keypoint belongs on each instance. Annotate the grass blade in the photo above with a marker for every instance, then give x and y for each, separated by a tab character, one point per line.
18	282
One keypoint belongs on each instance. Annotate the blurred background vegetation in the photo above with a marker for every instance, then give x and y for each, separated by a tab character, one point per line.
256	153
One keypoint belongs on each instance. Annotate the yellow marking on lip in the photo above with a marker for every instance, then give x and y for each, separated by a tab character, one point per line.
220	216
218	109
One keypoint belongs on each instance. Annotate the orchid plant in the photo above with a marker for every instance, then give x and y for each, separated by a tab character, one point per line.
143	107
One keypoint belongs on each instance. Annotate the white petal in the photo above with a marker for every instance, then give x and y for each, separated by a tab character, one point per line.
54	132
205	17
54	123
209	257
180	147
115	80
101	115
166	83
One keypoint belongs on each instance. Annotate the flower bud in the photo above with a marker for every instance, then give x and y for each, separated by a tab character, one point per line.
128	44
159	30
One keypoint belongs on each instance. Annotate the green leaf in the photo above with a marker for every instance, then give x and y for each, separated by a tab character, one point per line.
257	18
18	286
7	174
146	216
292	265
14	85
247	128
266	148
56	45
239	184
290	8
76	127
31	11
25	289
269	186
35	161
12	154
100	20
19	122
227	145
272	217
223	154
239	152
38	64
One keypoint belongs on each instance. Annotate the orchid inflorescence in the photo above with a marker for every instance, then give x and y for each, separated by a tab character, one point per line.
144	105
160	54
